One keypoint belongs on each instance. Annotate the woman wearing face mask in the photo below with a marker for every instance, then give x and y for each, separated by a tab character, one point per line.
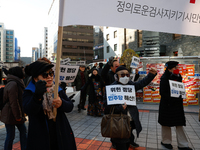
38	104
122	77
171	112
96	84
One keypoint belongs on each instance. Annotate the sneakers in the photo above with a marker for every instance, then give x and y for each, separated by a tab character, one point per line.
133	144
169	146
184	148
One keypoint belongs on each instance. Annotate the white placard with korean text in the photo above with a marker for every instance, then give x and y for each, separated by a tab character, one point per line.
135	62
171	16
177	89
65	61
67	73
120	94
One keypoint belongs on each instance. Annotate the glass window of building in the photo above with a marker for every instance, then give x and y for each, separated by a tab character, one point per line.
115	34
107	37
108	49
7	32
11	32
115	47
7	37
139	32
11	37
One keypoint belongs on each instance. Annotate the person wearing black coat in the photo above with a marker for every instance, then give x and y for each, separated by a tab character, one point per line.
96	92
171	112
46	131
123	78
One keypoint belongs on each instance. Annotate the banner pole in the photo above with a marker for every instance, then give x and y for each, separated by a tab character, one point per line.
59	49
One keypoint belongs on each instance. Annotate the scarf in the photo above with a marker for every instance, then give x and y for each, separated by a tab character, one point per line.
47	102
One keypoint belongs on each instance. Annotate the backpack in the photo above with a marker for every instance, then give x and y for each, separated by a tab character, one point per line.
1	98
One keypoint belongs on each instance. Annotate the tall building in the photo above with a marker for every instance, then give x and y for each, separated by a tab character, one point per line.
17	50
34	54
40	51
10	45
77	42
98	46
45	52
2	43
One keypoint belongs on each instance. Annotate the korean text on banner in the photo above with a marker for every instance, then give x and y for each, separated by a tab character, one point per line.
120	94
177	89
67	73
172	16
135	62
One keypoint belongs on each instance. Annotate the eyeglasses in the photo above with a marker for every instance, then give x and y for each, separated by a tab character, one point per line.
45	74
123	75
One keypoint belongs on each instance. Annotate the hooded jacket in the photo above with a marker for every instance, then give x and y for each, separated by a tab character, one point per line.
13	97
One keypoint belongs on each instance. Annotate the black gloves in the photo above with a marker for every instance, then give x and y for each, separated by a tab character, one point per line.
40	89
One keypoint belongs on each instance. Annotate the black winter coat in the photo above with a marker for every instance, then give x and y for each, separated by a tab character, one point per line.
77	82
92	94
171	112
38	130
132	109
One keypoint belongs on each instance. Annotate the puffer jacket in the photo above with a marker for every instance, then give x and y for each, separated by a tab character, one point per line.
13	97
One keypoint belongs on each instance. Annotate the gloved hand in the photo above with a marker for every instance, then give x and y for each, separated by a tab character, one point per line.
40	89
111	60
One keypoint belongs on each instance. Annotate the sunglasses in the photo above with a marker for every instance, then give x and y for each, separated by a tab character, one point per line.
45	74
123	75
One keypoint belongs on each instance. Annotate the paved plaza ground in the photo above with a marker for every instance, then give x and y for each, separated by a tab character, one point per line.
88	137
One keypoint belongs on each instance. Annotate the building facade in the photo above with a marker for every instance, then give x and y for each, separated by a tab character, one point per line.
34	54
2	41
10	46
98	46
17	50
44	50
77	42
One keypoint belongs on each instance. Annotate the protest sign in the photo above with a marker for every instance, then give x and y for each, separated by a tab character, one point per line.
65	61
120	94
172	16
67	73
78	63
135	62
177	89
132	77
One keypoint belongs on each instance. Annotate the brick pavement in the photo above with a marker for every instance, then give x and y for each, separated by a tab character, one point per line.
88	137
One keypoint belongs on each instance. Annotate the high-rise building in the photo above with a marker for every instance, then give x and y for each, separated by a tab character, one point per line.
40	51
34	54
2	43
17	50
10	45
98	43
45	52
77	42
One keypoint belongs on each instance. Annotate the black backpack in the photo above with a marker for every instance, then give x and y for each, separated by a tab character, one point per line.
1	98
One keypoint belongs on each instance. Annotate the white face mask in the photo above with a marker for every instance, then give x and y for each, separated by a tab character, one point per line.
124	80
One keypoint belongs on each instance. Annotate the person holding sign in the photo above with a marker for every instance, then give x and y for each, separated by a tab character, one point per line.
171	112
122	78
38	102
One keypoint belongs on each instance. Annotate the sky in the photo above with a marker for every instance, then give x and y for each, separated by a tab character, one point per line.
27	18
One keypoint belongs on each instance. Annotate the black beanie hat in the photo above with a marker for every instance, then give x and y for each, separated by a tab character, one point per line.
38	67
121	68
171	64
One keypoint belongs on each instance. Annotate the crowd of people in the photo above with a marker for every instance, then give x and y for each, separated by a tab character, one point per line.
30	91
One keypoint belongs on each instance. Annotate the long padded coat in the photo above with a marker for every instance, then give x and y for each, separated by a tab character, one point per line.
171	112
38	133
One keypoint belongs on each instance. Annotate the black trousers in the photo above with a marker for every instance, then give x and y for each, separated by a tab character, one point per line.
132	138
122	146
82	100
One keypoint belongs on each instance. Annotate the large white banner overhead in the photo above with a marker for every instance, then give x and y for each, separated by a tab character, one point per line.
172	16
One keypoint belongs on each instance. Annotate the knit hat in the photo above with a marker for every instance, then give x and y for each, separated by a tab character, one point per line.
121	68
38	67
171	64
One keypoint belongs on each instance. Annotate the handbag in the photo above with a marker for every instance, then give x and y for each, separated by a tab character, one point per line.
116	126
